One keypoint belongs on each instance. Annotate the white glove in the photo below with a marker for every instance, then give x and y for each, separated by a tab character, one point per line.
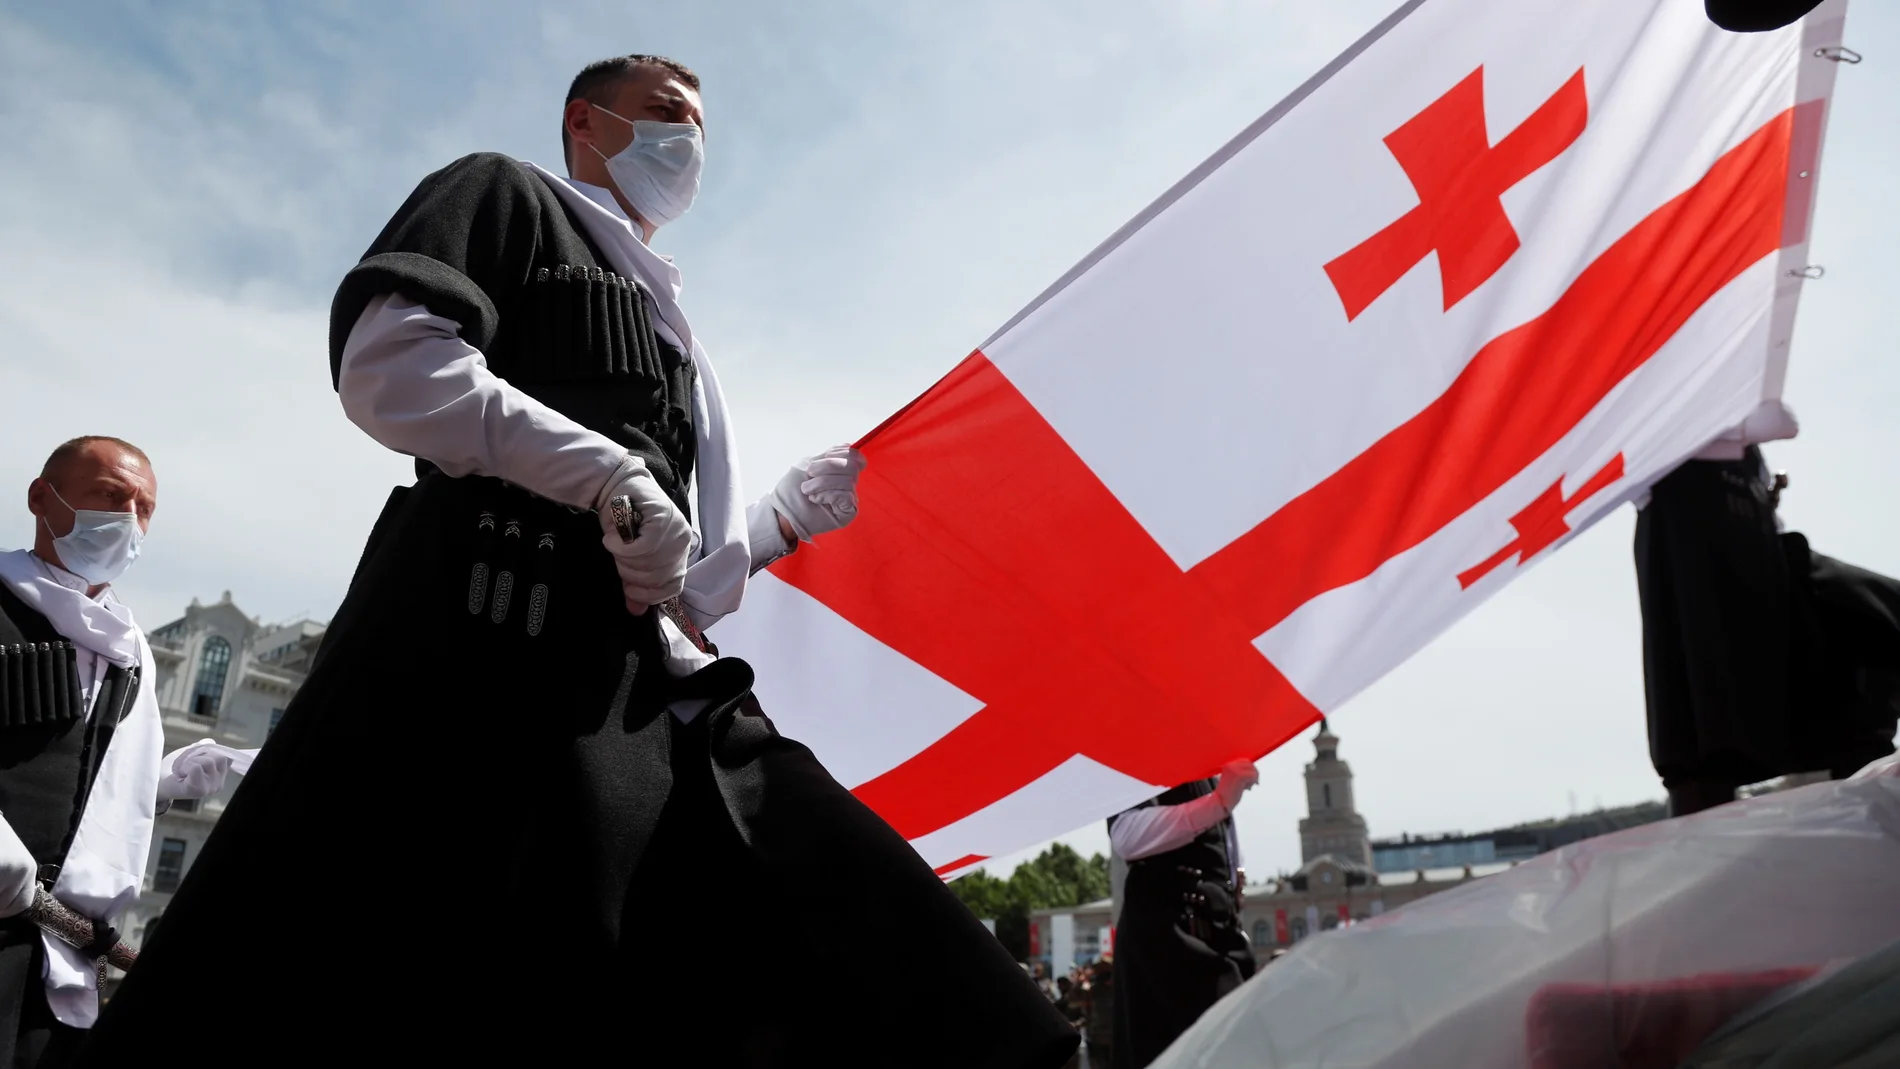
820	493
195	771
652	567
1236	778
19	873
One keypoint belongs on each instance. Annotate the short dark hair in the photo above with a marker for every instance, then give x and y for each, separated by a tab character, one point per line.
601	77
64	453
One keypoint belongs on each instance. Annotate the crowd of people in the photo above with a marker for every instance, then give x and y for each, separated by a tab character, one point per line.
1085	995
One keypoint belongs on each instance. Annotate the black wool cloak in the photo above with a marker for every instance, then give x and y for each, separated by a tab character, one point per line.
1760	656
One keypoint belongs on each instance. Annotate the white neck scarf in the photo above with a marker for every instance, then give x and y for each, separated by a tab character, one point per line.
715	582
102	625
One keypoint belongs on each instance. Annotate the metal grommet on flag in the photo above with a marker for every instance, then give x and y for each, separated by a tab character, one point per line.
1839	54
1809	271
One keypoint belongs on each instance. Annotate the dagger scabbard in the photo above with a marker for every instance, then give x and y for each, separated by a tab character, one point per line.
677	613
626	520
73	928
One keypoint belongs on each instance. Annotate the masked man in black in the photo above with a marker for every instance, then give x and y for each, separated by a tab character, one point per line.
588	795
81	775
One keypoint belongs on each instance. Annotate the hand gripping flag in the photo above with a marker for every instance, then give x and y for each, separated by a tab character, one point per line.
1483	279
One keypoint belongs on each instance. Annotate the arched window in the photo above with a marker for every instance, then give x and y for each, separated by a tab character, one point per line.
1262	934
1327	788
1299	929
213	663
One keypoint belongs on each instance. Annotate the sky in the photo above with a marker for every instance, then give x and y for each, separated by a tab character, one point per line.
184	183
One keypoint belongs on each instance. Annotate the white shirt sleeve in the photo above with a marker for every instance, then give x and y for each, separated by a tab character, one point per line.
409	381
1157	829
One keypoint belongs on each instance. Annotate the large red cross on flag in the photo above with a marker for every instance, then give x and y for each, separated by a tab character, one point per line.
1483	279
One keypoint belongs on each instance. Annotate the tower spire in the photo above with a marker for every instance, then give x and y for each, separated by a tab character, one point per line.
1332	825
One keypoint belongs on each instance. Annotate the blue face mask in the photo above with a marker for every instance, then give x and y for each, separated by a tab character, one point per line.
658	172
101	545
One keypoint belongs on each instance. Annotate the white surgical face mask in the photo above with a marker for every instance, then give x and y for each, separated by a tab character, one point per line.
658	172
101	545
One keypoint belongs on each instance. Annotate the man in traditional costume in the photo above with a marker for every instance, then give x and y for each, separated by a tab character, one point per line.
1760	656
1178	943
80	739
591	803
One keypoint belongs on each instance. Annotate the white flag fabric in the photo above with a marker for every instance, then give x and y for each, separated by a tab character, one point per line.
1491	273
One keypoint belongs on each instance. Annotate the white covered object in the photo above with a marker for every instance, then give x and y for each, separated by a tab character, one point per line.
1799	879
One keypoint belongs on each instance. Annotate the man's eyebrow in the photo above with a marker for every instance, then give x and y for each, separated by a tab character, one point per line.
116	481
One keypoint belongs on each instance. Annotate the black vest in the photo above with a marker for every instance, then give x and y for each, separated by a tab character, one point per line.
1205	856
50	750
486	242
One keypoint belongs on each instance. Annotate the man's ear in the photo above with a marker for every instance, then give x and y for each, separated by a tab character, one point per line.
578	119
36	495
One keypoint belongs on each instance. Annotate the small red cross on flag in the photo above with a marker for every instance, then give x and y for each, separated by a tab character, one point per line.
1541	525
1181	506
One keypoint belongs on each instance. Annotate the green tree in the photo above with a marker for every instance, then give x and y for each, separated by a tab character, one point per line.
1056	877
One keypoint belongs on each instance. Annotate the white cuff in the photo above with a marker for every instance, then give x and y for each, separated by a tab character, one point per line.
763	536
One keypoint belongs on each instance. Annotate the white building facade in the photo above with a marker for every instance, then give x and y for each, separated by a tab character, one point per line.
224	676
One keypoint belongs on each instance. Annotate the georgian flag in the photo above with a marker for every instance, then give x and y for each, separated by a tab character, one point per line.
1480	281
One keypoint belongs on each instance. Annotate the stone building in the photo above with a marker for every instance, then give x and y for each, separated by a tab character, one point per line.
224	676
1332	826
1336	882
